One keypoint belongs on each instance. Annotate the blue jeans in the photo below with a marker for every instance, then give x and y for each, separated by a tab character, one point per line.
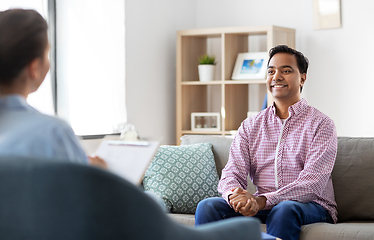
283	221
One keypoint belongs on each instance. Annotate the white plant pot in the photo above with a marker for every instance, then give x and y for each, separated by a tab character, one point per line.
206	72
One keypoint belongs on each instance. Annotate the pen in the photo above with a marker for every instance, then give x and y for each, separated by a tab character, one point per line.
128	143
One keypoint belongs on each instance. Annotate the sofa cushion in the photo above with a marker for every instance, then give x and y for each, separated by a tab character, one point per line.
182	176
221	151
340	231
354	189
221	147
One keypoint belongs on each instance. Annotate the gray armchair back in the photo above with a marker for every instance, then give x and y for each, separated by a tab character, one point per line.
44	199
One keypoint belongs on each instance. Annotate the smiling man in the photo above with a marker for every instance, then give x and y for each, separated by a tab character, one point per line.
288	150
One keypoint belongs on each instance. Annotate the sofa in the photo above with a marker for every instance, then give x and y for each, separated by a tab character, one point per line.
353	180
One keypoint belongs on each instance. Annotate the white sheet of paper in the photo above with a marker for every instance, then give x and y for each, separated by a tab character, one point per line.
127	159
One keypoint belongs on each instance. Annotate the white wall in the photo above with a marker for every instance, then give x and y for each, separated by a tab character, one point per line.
339	78
151	28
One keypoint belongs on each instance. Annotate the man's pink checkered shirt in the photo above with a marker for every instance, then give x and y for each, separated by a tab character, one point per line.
290	161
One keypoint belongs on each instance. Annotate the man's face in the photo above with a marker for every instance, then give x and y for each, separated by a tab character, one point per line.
284	78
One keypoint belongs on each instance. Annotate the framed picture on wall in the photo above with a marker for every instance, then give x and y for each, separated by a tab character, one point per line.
326	14
250	66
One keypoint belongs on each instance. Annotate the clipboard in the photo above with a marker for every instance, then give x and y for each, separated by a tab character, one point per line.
128	159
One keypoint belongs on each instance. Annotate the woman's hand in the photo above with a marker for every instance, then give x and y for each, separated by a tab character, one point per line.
97	161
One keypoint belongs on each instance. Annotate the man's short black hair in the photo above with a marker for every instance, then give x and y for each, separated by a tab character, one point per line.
302	61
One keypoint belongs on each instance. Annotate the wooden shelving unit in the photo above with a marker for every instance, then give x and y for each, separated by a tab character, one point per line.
232	98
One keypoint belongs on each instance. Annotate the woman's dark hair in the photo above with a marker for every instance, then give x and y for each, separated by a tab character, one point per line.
23	38
302	61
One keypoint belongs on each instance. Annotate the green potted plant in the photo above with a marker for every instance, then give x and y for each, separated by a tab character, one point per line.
207	67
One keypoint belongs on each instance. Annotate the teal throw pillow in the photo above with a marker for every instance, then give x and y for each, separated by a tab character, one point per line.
183	176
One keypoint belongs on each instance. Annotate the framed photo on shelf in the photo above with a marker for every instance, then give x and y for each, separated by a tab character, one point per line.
204	121
250	66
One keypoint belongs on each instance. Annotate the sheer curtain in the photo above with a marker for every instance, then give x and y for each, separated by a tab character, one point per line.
90	43
41	99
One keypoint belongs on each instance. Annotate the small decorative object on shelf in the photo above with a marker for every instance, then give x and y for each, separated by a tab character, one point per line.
204	121
206	68
250	66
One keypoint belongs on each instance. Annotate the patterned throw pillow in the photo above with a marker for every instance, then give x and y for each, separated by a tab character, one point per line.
183	176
